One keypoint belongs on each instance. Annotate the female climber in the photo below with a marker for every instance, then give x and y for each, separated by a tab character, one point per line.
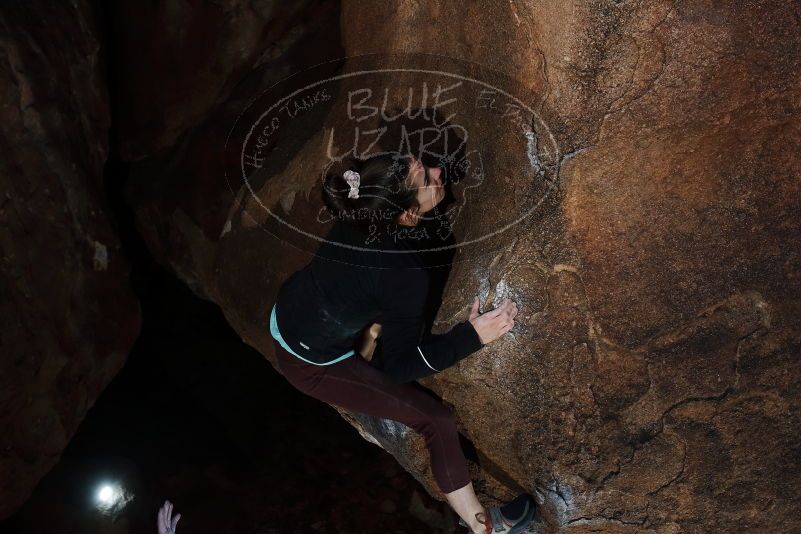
365	289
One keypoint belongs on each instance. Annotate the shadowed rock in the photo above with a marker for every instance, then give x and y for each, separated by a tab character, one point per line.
68	315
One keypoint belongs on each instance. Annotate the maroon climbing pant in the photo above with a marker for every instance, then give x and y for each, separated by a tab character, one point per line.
357	386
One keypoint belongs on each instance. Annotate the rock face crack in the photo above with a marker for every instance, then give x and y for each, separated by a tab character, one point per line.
715	399
678	475
604	519
544	64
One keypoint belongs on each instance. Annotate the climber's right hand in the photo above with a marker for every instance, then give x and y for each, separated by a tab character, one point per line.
494	323
165	523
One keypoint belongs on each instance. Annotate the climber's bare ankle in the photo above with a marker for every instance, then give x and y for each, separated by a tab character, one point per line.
476	526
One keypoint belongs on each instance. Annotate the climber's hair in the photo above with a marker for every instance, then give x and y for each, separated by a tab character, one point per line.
384	192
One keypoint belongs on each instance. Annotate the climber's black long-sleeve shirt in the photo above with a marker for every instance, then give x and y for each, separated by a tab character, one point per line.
353	281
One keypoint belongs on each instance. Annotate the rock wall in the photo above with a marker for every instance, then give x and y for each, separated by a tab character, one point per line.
176	60
650	384
67	311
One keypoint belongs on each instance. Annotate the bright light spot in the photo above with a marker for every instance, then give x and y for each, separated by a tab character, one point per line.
106	495
110	498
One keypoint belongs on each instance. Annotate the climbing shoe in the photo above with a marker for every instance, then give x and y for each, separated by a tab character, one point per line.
509	518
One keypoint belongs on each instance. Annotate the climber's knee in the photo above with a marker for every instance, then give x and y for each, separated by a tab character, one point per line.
443	419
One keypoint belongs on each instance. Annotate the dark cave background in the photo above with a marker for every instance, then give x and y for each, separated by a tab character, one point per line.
198	417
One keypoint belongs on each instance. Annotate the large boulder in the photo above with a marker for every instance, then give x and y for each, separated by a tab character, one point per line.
645	215
174	61
68	314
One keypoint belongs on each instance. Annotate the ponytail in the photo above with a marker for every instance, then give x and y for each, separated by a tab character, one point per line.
383	190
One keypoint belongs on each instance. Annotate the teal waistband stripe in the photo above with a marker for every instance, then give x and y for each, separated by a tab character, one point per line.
277	335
